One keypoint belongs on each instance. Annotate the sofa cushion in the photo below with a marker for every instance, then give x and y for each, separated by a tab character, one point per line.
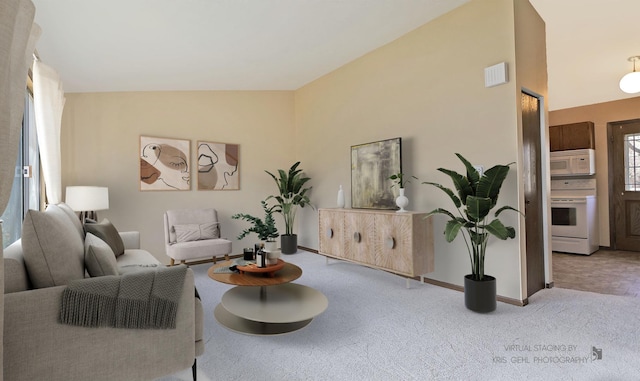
108	233
196	232
135	260
53	250
15	273
98	257
74	218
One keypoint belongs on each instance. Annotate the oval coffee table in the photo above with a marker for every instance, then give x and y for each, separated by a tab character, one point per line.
264	304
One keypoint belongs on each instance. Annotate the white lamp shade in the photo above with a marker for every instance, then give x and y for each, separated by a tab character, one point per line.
82	199
630	83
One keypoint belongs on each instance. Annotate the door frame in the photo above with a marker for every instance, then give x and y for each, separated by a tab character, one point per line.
610	159
545	179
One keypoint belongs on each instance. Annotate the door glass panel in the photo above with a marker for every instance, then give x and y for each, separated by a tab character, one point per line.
632	162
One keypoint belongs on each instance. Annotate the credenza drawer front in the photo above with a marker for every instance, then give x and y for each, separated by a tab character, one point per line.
394	243
331	226
358	237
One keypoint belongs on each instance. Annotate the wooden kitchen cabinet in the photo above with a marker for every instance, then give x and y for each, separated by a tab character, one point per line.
401	243
572	136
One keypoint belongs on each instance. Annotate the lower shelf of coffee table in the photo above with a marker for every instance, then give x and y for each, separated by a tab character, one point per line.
269	310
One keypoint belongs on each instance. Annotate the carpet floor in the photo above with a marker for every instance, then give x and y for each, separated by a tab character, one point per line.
377	329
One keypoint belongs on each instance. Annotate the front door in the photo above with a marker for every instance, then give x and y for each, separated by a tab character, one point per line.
624	167
532	193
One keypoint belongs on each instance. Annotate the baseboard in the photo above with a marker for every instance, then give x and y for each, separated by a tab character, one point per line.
549	285
451	286
504	299
308	249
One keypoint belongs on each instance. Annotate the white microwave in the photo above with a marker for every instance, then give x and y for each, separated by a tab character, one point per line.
579	162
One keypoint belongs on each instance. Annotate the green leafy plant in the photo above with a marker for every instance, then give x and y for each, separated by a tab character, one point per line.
266	230
476	196
292	194
399	180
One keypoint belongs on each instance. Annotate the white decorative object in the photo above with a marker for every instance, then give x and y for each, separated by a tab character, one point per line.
340	198
402	201
270	246
272	257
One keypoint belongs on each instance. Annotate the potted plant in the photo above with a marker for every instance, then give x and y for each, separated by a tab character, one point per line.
266	230
291	195
477	195
399	180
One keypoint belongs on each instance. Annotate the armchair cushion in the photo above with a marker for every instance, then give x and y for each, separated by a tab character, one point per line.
108	233
196	232
98	257
53	249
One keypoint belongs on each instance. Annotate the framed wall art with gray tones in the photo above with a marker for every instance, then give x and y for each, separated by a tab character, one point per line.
371	166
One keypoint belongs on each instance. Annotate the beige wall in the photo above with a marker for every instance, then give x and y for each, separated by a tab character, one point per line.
428	88
600	114
100	147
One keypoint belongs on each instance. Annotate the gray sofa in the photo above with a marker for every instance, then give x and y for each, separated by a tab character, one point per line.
38	347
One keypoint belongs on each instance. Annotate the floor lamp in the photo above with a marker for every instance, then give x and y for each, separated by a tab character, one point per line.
87	201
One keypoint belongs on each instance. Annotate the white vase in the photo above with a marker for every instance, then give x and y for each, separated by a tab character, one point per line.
270	246
272	257
402	201
340	197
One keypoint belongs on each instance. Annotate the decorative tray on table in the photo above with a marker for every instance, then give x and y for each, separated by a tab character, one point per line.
252	268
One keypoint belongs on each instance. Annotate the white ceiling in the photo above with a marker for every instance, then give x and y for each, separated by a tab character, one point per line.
147	45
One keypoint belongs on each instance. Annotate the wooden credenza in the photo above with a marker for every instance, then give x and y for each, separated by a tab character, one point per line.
401	243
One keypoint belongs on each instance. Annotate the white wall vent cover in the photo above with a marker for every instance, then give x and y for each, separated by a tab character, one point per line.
496	75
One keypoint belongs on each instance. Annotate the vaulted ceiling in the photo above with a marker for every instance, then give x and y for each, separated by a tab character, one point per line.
148	45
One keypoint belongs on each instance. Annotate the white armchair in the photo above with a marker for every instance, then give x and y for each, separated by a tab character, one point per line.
192	236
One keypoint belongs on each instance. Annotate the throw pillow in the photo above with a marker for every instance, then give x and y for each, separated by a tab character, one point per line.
108	233
73	217
196	232
53	250
98	257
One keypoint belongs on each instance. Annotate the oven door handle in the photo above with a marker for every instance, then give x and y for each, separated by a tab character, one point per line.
567	201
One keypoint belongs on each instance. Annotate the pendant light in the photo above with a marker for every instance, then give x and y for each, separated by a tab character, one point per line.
630	83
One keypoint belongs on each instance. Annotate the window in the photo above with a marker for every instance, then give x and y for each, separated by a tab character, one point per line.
632	162
25	192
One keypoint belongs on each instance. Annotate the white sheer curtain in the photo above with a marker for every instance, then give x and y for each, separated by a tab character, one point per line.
18	35
48	103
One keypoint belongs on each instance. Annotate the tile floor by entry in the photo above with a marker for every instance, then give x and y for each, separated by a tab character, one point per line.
605	272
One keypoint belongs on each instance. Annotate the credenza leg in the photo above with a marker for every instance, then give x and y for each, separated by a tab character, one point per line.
408	284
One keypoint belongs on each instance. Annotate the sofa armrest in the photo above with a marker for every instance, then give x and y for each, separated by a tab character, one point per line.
38	347
130	239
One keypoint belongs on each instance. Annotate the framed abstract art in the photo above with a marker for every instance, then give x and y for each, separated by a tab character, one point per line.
218	166
164	164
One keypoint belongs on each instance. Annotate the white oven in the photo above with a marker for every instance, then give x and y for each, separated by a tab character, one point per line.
569	216
574	225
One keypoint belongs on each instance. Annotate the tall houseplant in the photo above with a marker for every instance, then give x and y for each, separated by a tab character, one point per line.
291	195
477	195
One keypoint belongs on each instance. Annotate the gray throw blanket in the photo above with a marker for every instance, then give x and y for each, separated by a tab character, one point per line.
145	299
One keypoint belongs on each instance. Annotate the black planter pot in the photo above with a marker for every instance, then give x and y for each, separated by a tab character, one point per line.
288	243
480	295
